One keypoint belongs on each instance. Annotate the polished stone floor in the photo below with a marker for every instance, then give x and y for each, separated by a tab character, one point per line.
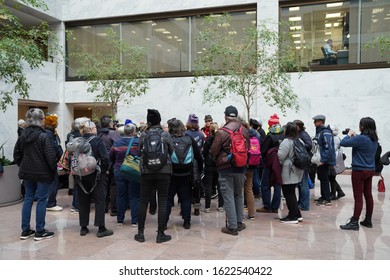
318	237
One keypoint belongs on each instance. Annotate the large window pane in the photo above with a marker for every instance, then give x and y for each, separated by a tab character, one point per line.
311	26
240	21
375	22
91	39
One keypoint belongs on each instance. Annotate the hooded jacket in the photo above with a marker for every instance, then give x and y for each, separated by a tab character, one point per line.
324	136
109	136
221	147
35	154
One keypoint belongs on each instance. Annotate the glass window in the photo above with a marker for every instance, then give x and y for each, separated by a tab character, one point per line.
91	39
170	42
375	22
322	33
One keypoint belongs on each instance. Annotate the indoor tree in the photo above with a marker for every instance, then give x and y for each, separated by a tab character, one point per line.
121	74
20	45
251	66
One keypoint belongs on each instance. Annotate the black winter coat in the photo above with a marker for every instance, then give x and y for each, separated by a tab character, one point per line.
34	153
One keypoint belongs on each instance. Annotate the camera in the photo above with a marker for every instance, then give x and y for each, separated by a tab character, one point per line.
345	131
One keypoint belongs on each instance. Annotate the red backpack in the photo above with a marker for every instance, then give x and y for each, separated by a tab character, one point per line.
238	150
254	151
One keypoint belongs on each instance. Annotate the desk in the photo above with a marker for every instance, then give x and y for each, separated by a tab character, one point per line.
342	56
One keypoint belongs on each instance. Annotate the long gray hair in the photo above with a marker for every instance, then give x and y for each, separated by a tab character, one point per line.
34	117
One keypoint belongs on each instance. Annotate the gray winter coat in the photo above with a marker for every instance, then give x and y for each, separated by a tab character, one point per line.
290	173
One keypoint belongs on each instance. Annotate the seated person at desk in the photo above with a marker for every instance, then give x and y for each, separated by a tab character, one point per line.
329	54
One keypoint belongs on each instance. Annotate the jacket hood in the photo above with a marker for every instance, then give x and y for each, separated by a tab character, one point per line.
252	132
323	128
276	129
32	133
104	130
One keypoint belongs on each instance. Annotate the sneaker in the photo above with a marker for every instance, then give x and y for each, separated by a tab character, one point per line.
220	209
289	220
27	234
84	231
300	219
119	224
229	231
55	208
43	235
241	226
107	232
134	225
207	210
74	210
320	199
252	218
328	203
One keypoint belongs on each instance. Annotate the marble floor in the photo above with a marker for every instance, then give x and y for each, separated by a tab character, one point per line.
318	237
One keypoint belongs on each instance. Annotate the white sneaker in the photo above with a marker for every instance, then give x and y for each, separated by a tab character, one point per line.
207	210
55	208
220	209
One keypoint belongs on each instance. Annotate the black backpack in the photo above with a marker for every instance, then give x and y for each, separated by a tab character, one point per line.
183	155
155	151
378	163
301	157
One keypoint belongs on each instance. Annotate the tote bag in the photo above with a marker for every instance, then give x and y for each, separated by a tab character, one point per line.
130	167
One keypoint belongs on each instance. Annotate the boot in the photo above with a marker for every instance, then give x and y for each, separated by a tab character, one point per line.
340	192
367	222
140	236
162	237
351	225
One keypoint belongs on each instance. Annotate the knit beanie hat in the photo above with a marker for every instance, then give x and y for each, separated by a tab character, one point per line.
274	119
51	119
193	119
153	117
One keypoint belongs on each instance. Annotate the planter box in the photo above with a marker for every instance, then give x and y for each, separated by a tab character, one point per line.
10	190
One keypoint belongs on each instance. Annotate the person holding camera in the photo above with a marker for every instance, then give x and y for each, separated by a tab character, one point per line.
364	147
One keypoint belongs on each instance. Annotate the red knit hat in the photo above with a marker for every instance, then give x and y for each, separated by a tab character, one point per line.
274	119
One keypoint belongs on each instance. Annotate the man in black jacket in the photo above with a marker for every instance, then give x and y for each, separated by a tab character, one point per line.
109	135
34	146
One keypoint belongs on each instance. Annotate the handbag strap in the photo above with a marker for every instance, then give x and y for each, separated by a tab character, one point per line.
130	144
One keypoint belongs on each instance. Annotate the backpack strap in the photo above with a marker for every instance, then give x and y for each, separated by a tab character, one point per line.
128	147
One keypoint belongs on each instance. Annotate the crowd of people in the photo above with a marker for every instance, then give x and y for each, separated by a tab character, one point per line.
181	162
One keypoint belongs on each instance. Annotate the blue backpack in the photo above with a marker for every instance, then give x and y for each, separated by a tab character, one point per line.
183	155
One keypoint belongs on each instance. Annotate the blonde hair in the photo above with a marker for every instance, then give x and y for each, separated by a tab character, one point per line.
213	128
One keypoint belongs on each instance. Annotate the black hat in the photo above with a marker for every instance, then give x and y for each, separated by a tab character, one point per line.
208	118
231	111
153	117
319	118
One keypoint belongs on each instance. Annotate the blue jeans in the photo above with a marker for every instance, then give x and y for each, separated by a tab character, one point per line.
304	192
38	190
180	185
232	188
128	194
53	190
266	192
256	182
